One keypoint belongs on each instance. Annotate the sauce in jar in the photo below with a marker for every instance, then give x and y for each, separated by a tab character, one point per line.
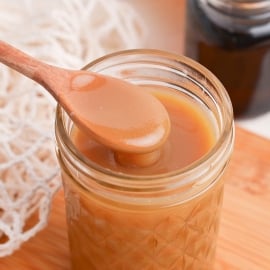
108	235
232	39
191	136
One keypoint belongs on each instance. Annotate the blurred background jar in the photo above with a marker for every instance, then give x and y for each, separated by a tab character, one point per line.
232	39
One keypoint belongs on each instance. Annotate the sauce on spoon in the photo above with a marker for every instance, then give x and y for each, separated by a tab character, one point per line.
120	115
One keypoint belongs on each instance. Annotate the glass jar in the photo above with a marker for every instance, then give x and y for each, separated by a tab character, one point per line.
162	221
232	39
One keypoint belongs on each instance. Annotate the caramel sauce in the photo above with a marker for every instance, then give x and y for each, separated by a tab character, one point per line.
191	137
118	114
115	235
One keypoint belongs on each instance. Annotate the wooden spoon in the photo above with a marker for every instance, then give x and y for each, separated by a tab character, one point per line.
118	114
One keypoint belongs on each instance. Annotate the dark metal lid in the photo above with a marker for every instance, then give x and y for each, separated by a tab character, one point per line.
239	15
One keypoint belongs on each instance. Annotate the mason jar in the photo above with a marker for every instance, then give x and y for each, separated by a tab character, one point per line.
164	221
232	39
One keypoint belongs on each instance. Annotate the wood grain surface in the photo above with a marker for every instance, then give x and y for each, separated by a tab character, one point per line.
244	240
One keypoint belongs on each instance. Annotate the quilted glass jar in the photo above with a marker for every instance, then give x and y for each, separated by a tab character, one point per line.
161	221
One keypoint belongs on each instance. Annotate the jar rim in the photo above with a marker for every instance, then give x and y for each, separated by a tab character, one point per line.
227	133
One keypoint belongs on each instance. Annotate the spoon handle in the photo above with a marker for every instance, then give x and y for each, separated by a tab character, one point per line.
46	75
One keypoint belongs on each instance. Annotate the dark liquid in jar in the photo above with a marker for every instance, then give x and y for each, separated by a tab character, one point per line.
241	60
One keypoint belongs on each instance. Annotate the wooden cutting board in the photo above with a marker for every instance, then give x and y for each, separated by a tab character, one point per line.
244	241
